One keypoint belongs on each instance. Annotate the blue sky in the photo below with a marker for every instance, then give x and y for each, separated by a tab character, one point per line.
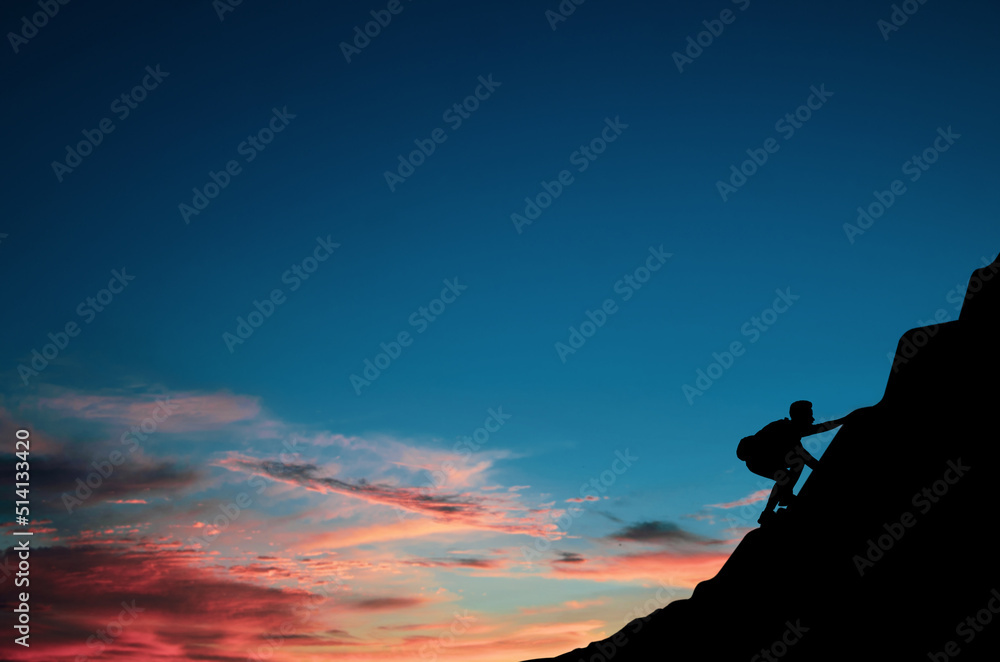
886	95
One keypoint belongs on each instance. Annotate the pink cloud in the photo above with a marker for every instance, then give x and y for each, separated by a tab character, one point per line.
165	606
491	512
759	495
345	537
180	412
561	608
682	568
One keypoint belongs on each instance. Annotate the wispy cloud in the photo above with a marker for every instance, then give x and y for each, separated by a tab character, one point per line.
684	568
170	600
460	562
384	604
186	411
754	497
497	512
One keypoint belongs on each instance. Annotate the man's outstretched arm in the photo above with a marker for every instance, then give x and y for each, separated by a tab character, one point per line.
828	425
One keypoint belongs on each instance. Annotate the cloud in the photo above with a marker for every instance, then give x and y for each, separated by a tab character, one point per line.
754	497
660	532
384	604
562	608
41	443
493	512
180	412
706	513
368	534
187	611
437	468
415	626
461	562
335	513
676	568
171	607
608	515
135	477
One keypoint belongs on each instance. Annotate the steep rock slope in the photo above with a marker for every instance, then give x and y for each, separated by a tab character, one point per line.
890	547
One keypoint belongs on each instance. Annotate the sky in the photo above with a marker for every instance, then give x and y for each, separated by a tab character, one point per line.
435	342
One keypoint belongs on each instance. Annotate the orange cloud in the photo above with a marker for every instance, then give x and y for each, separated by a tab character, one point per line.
759	495
499	512
375	533
682	568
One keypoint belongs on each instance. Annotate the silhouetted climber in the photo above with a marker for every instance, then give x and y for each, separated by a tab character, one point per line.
776	452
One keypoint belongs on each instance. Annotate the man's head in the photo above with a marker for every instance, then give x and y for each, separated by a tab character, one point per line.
801	411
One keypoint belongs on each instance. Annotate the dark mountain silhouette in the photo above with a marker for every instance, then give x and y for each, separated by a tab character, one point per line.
889	548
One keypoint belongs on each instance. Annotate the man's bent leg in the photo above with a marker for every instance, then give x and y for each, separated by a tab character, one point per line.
772	500
791	477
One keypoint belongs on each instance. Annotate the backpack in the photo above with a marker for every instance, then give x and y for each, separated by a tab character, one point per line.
768	440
